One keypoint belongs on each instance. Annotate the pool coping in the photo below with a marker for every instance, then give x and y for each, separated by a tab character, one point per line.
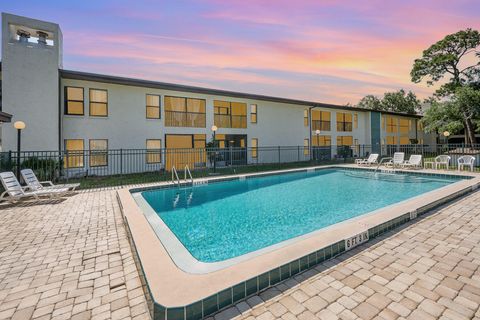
183	295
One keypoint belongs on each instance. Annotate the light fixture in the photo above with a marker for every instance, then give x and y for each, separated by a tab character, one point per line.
446	134
214	128
19	125
317	132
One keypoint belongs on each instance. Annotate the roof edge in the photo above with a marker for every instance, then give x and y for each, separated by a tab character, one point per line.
80	75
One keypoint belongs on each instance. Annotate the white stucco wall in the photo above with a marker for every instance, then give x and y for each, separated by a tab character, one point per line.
30	84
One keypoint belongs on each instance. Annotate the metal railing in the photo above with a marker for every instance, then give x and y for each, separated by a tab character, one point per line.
133	166
185	119
230	121
321	125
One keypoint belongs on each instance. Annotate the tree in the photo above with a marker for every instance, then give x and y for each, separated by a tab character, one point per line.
370	102
450	115
445	59
397	101
400	101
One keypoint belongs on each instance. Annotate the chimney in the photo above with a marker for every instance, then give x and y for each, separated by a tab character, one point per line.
23	36
42	37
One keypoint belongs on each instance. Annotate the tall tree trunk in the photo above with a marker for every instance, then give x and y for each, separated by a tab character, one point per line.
469	131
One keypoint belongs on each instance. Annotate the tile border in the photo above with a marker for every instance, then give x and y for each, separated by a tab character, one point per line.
231	295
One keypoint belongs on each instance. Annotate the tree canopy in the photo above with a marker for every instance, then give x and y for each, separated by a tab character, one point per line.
397	101
447	58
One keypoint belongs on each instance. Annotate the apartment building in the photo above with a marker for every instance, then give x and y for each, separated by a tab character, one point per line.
72	110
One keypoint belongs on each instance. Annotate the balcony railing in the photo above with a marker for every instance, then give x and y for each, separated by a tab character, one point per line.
321	125
229	121
184	119
344	126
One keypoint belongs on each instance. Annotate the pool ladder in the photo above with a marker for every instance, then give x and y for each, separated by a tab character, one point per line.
381	162
187	176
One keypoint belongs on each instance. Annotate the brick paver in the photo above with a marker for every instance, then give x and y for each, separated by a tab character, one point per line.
428	270
71	260
68	260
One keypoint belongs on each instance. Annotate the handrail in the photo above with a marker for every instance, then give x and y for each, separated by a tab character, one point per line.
380	163
187	170
175	175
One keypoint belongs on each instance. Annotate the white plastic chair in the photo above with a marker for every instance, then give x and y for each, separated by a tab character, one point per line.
32	182
372	159
14	191
466	161
415	162
397	161
442	160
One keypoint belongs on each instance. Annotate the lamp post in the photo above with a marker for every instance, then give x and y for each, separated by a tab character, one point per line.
214	129
317	134
19	125
446	134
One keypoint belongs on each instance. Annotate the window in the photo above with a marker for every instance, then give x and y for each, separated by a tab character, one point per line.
391	124
254	148
391	140
74	101
253	113
322	141
184	112
404	126
320	120
306	147
305	117
98	103
154	152
73	153
230	114
344	140
153	106
355	120
98	152
404	140
344	121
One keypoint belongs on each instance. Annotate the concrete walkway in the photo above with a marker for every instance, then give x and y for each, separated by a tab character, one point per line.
71	260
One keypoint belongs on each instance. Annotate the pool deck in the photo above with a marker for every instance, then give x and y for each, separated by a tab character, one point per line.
71	259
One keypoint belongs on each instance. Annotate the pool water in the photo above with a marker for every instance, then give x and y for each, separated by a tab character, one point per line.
227	219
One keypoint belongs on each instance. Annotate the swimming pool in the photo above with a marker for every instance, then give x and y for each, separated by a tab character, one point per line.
224	220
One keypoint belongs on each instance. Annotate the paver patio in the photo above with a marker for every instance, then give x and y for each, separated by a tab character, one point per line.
71	260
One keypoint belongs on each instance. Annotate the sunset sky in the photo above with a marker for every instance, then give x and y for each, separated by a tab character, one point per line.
326	51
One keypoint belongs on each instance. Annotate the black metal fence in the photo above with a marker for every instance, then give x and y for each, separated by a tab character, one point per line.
101	168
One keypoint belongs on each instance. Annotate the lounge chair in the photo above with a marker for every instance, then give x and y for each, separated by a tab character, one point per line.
32	182
372	159
415	162
466	161
442	160
14	191
397	160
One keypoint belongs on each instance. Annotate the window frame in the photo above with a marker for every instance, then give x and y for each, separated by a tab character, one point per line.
149	152
306	117
90	103
95	152
66	100
254	113
185	111
67	155
254	150
149	106
306	148
343	121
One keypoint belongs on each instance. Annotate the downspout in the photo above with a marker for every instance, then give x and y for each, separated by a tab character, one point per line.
310	131
59	113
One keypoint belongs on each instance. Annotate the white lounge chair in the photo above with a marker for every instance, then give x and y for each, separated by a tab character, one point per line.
442	160
397	161
372	159
414	162
14	191
32	182
466	161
